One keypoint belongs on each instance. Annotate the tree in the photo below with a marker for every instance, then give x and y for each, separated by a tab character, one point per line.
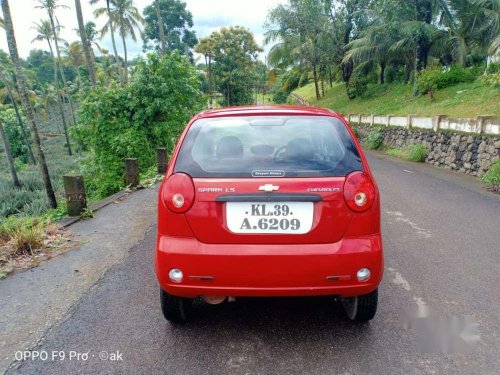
21	81
205	47
44	33
8	153
86	47
299	25
50	6
109	27
127	19
10	89
177	24
234	55
159	19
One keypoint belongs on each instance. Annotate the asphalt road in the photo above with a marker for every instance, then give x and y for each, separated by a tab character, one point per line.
441	237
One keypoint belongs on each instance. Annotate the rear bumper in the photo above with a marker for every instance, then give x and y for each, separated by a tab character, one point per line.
239	270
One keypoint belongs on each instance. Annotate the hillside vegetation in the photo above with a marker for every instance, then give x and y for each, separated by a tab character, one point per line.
461	100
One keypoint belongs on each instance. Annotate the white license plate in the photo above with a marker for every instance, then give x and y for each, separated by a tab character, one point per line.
269	217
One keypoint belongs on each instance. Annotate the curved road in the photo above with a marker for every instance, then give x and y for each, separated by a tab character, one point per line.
441	236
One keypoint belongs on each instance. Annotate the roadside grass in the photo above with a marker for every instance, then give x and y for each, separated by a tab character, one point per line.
492	177
416	153
374	139
461	100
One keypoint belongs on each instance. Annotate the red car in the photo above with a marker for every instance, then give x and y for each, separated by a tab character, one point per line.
268	201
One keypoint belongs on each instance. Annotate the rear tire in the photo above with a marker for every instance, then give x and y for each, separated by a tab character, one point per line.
176	310
361	308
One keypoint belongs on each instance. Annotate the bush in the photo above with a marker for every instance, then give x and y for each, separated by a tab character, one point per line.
416	153
133	121
356	87
435	79
25	232
374	139
492	79
14	134
493	68
492	177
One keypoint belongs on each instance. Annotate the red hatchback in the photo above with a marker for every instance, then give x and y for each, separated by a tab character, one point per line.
268	201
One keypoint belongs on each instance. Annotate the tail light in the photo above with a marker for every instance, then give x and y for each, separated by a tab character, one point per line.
359	191
178	193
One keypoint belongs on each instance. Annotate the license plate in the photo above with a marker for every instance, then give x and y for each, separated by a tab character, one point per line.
269	217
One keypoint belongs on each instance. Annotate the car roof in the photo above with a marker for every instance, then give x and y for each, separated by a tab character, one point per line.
267	111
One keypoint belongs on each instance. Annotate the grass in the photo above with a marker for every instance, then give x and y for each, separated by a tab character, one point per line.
416	153
461	100
492	177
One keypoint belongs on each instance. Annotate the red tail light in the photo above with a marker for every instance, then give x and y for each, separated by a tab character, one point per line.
359	191
178	193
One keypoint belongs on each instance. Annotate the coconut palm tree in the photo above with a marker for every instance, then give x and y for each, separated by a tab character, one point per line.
110	25
75	55
127	19
21	83
50	6
374	44
44	33
86	49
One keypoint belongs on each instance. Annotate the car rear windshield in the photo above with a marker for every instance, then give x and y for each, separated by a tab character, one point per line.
268	146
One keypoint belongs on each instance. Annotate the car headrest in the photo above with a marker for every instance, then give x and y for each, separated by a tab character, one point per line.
229	147
299	149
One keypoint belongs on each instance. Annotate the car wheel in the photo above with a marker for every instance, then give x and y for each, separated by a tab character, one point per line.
361	308
175	309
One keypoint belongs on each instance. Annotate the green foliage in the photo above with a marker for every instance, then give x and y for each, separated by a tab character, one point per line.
374	138
30	199
461	100
14	134
177	25
356	87
436	79
416	153
492	177
286	83
133	121
493	68
492	79
233	51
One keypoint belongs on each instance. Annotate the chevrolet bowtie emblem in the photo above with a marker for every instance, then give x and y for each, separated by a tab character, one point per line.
268	188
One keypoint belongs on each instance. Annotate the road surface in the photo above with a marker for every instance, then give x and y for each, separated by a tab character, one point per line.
441	238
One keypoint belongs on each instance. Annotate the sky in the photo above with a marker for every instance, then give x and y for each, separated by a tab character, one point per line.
208	16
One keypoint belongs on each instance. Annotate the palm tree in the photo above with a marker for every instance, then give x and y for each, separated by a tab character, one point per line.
86	49
110	24
74	53
21	82
127	18
8	153
44	33
375	44
205	47
50	6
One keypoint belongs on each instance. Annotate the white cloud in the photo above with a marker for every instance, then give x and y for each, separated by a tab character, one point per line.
208	16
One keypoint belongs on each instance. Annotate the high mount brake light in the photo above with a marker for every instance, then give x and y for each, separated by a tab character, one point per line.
178	193
359	191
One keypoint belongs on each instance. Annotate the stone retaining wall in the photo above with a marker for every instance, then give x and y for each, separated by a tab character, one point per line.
471	154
